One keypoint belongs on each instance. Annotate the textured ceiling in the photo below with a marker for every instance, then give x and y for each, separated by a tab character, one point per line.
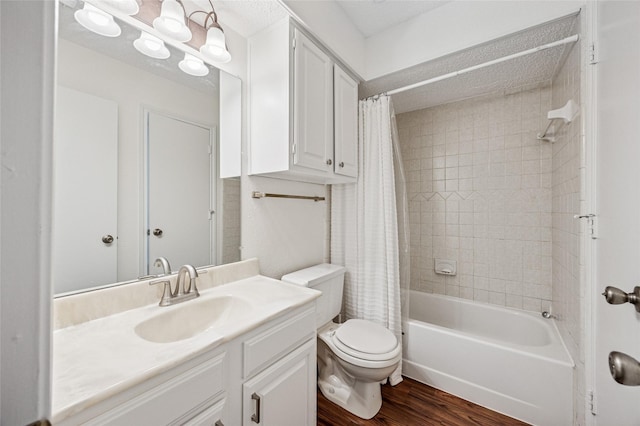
246	17
373	16
530	70
121	48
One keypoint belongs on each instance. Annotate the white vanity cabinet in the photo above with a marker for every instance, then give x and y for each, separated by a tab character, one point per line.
186	394
303	109
279	367
263	376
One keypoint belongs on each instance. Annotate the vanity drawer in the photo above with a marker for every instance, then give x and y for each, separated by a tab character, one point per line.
168	402
267	347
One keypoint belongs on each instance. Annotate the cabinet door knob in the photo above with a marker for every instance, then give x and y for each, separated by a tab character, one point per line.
255	417
329	161
107	239
341	164
157	232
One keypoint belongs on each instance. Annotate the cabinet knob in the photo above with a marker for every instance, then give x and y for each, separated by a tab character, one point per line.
107	239
158	232
341	164
329	161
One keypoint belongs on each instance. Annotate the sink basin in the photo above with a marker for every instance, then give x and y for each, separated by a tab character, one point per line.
191	318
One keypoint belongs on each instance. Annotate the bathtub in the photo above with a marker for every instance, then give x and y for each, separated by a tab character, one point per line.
508	360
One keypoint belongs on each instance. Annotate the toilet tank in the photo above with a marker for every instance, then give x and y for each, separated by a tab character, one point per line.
327	278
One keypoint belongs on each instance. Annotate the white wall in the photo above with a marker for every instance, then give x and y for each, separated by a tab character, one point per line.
132	88
27	42
328	22
454	26
284	234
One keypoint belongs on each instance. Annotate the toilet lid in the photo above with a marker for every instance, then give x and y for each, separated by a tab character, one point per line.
366	337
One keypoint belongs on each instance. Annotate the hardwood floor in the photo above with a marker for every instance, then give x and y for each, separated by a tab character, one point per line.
412	403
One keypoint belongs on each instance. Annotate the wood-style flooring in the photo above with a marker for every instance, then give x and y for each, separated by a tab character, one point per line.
413	403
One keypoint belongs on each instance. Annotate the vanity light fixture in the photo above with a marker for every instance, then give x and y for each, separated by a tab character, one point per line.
151	46
171	21
193	66
215	48
128	7
98	21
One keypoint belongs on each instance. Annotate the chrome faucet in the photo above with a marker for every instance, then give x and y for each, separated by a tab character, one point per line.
164	264
181	293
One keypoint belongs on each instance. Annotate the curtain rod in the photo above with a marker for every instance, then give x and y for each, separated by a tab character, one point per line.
567	40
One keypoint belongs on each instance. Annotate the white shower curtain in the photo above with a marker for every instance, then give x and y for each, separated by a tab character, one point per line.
364	225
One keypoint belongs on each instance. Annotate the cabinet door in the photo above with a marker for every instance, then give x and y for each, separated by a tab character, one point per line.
285	393
313	106
346	123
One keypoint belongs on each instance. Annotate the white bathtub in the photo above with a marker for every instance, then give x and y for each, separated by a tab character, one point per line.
510	361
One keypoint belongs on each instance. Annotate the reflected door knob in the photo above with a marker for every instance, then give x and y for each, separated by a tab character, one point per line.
107	239
157	232
624	369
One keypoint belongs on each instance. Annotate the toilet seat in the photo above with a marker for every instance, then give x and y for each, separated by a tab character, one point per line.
365	341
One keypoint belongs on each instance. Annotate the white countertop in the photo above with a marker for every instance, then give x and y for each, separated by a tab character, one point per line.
95	360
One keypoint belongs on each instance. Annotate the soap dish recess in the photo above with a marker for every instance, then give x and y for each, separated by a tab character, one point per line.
446	266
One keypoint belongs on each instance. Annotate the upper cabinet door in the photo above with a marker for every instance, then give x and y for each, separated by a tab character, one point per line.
313	106
346	123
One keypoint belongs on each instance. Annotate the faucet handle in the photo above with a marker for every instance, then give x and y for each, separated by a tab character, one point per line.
166	292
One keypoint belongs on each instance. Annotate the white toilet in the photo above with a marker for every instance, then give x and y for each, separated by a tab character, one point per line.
353	357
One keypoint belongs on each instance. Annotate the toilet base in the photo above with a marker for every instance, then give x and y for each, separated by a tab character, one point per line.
364	399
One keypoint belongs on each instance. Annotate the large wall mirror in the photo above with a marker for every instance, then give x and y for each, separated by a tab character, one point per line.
137	162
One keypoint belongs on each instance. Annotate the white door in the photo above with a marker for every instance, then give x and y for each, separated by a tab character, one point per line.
180	191
313	106
85	178
617	203
345	95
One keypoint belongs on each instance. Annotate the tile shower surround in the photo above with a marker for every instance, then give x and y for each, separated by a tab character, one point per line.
480	192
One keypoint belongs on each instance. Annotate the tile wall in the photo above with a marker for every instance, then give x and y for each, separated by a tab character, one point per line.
480	192
231	220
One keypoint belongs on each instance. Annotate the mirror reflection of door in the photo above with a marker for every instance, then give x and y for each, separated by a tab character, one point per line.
85	180
180	169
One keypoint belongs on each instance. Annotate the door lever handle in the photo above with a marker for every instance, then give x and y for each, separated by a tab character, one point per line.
615	296
624	369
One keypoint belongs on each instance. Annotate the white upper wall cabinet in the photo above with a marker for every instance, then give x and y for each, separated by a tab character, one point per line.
302	109
312	105
345	96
